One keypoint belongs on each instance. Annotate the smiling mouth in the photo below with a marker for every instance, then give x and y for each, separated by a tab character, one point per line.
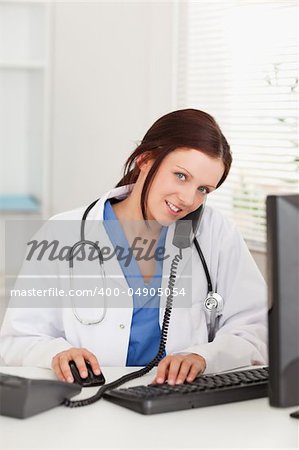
174	209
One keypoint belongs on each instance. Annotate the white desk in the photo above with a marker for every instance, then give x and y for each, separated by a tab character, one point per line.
249	424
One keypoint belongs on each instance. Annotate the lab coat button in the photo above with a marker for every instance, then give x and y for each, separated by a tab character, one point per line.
121	326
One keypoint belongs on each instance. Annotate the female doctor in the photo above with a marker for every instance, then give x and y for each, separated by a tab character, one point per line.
181	159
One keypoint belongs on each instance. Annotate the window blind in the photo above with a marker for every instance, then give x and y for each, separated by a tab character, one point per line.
237	60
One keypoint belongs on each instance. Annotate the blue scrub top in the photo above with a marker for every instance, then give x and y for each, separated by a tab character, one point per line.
145	328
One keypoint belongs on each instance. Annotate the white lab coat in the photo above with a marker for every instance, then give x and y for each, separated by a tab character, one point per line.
32	337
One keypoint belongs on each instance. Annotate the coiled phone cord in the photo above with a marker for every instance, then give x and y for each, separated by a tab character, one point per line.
153	362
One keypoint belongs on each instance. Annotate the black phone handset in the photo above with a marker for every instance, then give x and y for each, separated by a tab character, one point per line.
183	237
186	229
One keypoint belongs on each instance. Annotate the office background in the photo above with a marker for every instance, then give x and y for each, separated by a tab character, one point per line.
81	82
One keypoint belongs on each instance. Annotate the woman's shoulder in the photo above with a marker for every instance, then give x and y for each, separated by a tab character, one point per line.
63	226
96	212
215	222
73	214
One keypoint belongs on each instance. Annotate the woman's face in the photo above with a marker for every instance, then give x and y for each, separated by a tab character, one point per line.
182	182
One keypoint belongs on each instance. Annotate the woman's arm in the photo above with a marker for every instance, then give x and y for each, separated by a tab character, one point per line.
33	331
31	337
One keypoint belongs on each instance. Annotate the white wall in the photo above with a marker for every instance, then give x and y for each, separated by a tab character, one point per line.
112	77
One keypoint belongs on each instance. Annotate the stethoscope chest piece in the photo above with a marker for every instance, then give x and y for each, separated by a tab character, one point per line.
214	302
213	305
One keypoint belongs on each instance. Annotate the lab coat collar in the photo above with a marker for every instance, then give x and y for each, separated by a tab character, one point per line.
97	212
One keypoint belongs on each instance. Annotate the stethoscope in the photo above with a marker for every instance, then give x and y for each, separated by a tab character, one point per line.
213	303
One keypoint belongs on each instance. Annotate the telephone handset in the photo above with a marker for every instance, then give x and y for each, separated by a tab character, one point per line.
186	228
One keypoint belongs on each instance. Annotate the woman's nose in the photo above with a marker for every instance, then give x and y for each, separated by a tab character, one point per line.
187	197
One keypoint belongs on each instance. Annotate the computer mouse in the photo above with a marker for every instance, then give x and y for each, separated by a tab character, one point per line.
90	380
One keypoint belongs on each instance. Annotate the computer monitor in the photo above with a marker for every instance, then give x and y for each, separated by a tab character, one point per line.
283	296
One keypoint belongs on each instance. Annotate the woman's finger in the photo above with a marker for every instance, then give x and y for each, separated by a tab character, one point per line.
81	366
65	368
56	368
165	376
173	369
162	370
184	371
91	358
195	370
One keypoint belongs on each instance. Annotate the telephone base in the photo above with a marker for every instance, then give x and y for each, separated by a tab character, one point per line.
23	397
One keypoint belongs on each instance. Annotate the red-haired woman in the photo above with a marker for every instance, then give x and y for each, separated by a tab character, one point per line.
181	159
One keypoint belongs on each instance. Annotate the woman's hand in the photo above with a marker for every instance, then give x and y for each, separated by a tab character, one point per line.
60	363
178	368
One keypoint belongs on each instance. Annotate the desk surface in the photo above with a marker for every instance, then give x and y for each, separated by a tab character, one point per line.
249	424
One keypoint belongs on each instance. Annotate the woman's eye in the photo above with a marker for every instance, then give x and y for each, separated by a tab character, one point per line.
180	176
203	190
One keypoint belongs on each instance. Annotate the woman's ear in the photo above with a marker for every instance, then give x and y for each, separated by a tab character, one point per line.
144	161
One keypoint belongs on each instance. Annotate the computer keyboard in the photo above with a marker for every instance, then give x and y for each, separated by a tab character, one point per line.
205	390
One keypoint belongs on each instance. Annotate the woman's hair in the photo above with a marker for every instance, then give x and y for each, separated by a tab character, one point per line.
188	128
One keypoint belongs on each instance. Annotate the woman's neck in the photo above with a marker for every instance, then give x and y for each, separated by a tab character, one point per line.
128	212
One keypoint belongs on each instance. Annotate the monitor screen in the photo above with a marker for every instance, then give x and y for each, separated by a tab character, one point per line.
283	297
